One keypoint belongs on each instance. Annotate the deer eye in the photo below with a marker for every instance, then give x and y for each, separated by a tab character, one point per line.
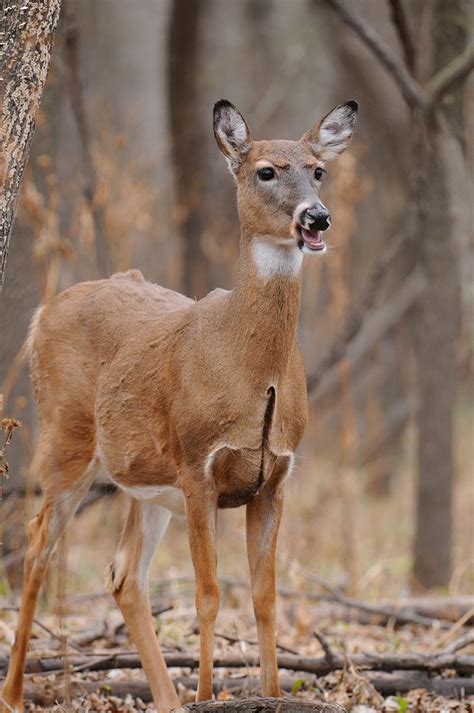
318	173
266	174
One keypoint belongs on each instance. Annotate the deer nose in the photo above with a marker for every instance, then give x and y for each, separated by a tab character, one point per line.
317	218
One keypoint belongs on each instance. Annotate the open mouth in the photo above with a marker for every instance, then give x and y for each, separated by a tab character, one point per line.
311	239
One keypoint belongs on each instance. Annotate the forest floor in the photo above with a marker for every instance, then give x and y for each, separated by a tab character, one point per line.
87	632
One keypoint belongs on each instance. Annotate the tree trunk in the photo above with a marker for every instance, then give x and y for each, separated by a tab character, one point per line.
28	34
437	318
187	140
436	327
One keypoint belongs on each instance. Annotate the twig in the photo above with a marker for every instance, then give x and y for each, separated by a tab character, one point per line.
460	643
7	706
233	640
328	652
155	611
45	628
457	625
400	22
449	76
410	89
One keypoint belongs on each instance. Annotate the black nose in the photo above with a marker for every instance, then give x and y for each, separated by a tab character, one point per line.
318	218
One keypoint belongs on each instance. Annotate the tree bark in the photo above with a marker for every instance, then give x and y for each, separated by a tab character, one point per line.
27	36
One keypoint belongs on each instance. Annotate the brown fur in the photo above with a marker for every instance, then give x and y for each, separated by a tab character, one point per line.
160	390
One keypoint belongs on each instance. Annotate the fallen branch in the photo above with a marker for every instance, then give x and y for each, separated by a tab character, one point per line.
386	683
319	665
325	645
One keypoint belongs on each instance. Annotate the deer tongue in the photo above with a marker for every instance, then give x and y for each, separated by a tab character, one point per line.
312	239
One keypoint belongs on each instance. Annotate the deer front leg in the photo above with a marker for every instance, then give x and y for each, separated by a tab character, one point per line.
263	520
201	513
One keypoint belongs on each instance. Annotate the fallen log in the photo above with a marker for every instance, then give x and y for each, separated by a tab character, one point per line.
390	684
320	665
387	684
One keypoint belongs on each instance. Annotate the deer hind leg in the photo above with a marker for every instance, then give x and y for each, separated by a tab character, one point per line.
127	579
263	520
44	531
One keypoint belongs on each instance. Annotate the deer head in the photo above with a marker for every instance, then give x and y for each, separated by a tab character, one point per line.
279	182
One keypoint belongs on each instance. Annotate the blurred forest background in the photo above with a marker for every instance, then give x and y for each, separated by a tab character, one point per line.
124	172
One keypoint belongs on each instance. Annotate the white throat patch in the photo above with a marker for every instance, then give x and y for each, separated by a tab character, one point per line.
272	260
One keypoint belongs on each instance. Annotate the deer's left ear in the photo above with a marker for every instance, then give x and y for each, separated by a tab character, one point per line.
333	134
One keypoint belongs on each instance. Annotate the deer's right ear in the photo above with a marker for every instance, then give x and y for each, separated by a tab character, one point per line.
231	132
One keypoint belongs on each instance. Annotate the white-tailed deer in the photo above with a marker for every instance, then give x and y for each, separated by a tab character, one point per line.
188	406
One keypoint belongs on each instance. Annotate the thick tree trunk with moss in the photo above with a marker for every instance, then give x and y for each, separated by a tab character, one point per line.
27	37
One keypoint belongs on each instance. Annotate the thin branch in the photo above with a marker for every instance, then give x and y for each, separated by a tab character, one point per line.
411	90
450	75
460	643
236	640
58	637
400	21
355	320
326	646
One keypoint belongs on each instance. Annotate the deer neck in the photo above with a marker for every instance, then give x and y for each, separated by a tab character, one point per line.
265	304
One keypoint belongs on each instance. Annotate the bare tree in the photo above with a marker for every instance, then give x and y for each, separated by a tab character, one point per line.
187	138
433	245
27	34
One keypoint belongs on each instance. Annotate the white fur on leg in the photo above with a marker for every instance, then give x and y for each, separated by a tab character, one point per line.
155	519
